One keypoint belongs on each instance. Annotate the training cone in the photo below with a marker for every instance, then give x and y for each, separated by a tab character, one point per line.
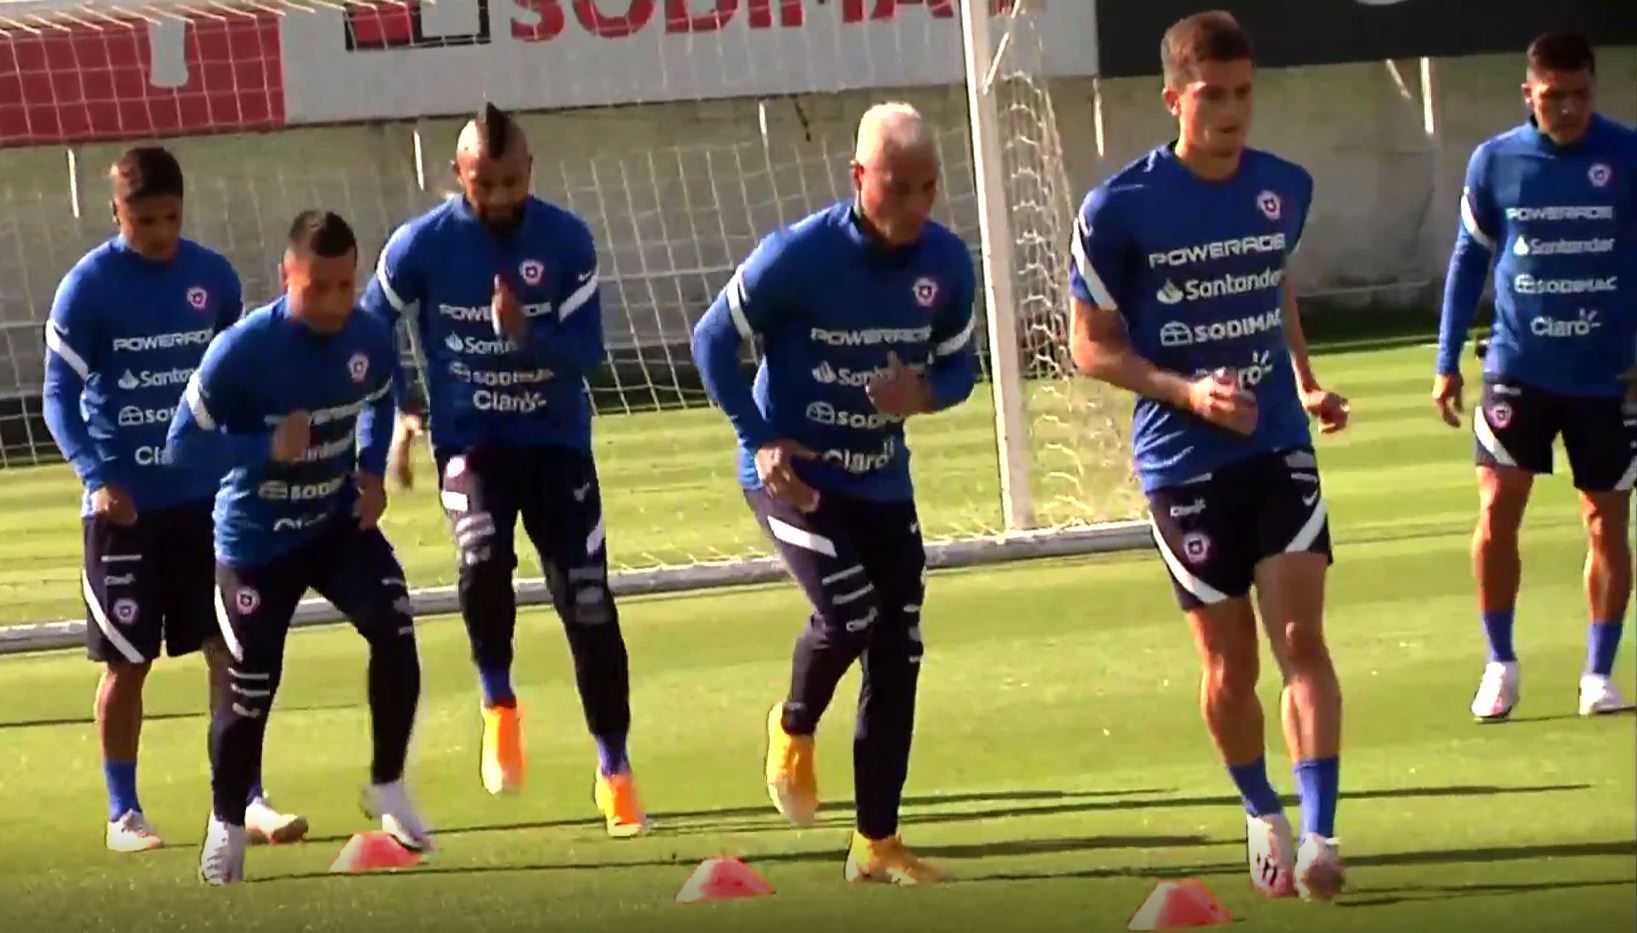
373	851
1175	905
722	878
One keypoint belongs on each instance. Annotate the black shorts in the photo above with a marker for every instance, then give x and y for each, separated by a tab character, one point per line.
354	569
1517	423
1212	532
148	584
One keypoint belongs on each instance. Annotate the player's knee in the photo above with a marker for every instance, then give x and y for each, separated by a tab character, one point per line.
250	693
480	551
1304	647
126	676
587	602
1231	674
1608	523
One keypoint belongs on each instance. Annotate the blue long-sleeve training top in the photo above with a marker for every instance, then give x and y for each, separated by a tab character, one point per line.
1560	225
264	368
124	336
829	304
482	387
1197	268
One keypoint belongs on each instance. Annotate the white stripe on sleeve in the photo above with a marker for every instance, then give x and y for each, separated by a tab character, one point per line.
1094	282
56	344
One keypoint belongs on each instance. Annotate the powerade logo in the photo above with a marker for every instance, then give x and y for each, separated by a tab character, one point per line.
1220	287
152	342
1178	334
1587	212
1221	249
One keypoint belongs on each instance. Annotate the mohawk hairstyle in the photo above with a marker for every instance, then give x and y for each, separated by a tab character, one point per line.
322	233
495	130
1212	36
1562	51
143	172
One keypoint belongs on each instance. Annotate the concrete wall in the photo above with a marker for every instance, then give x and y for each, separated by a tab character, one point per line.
679	192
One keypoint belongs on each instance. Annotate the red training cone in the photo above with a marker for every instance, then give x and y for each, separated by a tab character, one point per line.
722	878
373	851
1175	905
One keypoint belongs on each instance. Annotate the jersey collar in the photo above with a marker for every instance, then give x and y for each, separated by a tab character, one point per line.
860	235
1594	130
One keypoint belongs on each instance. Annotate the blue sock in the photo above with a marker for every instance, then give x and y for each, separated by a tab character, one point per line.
1498	626
121	779
1601	644
1318	781
1252	780
496	681
610	753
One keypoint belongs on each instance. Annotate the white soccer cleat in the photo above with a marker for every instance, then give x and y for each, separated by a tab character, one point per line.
391	803
221	858
263	824
1498	691
1599	695
1270	850
131	833
1319	872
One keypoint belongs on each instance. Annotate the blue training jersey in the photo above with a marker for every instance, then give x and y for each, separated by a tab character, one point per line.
124	336
262	369
1562	221
1197	270
482	388
830	304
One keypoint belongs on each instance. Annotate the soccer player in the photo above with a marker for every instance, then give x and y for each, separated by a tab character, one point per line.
864	311
1556	201
129	324
510	324
1181	296
299	396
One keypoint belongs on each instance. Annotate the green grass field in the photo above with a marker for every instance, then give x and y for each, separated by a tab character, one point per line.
1060	766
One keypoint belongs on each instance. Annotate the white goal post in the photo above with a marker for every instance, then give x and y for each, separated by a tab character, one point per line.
682	130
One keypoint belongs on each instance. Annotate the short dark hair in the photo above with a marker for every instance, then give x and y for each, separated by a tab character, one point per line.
1212	36
322	233
143	172
1563	50
495	131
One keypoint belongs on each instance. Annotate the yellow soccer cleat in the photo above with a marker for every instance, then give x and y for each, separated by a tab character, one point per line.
616	797
791	783
502	762
886	861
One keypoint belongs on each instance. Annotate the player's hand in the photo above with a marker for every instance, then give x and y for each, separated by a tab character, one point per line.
112	504
291	437
1330	408
507	312
900	390
400	465
1217	398
1446	394
372	500
776	465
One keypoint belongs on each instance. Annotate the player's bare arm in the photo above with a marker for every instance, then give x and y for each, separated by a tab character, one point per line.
114	504
1330	408
776	466
1099	346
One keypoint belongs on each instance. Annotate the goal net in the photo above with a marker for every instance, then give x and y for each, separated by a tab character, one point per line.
682	130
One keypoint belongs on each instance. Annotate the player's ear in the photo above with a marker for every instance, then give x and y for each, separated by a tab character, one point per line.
284	271
857	171
1173	100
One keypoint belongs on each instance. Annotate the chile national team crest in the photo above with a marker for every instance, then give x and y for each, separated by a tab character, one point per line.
1270	205
246	600
125	611
358	367
1500	414
198	298
1599	175
926	291
532	271
1196	547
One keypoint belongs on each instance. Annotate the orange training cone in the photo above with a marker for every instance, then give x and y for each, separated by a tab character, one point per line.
722	878
373	851
1175	905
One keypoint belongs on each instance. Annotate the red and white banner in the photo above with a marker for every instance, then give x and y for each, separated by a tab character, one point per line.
251	71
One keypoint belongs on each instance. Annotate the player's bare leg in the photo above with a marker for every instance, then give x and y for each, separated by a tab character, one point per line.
262	823
1290	590
1229	652
1608	591
1497	565
119	727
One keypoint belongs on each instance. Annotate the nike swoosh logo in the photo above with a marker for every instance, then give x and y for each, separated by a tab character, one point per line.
1309	500
586	277
580	494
